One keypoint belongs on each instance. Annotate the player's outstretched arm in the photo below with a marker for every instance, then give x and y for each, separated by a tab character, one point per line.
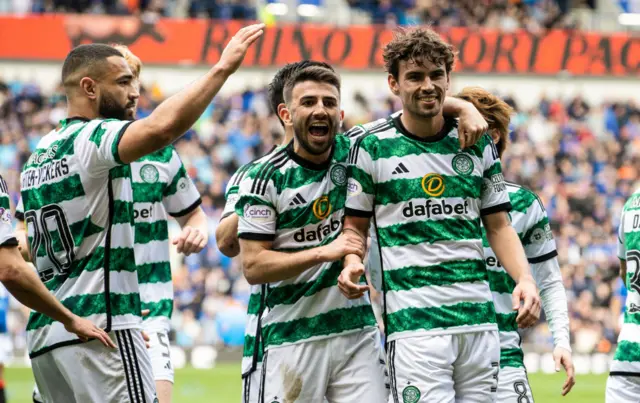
195	232
353	266
26	287
472	124
172	118
505	243
263	265
227	236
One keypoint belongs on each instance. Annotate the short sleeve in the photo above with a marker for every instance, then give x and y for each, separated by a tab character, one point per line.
360	183
231	195
7	237
97	145
495	197
537	239
181	196
256	207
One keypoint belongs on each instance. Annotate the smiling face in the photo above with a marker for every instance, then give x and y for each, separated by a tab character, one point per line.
421	87
314	112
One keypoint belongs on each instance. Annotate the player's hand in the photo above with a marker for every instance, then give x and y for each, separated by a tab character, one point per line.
471	126
232	56
529	312
191	240
348	281
345	244
146	338
562	357
86	330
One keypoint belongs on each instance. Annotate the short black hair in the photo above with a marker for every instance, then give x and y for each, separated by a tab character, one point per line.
316	74
276	86
86	57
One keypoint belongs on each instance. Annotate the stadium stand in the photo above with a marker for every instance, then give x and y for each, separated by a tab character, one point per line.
582	159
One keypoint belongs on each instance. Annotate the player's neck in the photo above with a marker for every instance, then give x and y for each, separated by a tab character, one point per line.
81	111
422	127
317	159
288	135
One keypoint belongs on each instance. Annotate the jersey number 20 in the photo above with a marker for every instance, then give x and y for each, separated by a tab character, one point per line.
53	222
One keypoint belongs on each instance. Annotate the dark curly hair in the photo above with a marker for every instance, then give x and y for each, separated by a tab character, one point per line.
417	45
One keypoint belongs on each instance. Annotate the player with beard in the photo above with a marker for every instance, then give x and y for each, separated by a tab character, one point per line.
427	196
227	239
226	233
318	344
79	212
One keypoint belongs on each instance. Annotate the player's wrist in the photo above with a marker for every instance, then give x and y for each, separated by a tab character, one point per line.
525	277
563	345
352	259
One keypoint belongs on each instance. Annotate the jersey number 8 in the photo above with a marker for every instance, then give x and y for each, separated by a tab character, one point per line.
45	228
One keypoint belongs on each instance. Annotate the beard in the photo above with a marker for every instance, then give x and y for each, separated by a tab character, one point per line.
110	109
307	141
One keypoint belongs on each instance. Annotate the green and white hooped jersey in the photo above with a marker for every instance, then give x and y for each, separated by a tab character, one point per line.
253	349
161	188
529	219
427	197
7	237
300	205
626	360
78	211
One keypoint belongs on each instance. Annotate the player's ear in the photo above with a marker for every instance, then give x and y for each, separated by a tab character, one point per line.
285	114
281	106
89	87
393	84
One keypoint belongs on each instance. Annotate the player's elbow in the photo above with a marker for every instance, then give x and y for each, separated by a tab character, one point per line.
251	271
10	272
228	247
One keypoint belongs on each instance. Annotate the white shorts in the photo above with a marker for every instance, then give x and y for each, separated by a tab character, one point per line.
91	372
251	386
461	368
160	355
622	389
513	386
341	368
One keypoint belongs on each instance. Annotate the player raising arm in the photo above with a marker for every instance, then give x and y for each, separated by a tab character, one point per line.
529	219
428	198
79	213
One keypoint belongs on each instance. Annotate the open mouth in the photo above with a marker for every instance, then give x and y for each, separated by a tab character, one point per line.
319	129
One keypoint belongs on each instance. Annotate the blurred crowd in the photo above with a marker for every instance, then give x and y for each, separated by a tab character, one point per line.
581	159
507	15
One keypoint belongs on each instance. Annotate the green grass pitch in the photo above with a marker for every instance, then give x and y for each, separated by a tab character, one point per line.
222	385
